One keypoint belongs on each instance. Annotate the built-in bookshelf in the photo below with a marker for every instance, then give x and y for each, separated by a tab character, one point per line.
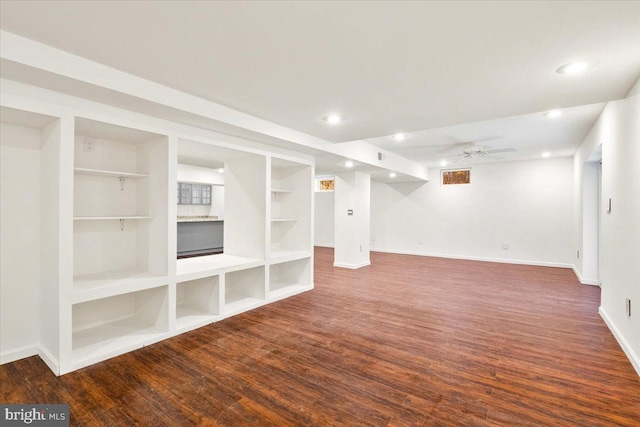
120	205
104	251
291	190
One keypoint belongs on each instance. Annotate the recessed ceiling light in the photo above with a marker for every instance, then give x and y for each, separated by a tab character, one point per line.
400	136
443	163
546	154
392	175
553	114
348	164
576	67
334	119
221	170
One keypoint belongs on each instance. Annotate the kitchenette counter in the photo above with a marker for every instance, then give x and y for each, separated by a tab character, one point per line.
200	235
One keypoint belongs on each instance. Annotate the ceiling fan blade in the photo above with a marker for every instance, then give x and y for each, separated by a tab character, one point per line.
452	147
501	150
460	157
490	138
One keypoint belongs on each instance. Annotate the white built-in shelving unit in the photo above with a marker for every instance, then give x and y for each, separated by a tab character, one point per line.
120	205
290	228
104	250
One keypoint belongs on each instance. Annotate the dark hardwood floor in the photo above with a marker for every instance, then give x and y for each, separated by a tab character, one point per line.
407	341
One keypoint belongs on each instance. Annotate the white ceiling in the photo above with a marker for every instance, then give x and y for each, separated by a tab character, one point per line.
529	134
445	72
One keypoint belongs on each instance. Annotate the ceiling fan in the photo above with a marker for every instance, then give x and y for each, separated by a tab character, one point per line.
473	150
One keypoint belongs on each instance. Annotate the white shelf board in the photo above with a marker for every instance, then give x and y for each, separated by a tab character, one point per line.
92	218
111	339
280	290
115	174
236	303
283	219
188	317
280	190
278	256
210	265
104	284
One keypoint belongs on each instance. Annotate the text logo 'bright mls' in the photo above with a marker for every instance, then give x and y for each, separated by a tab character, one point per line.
26	416
38	415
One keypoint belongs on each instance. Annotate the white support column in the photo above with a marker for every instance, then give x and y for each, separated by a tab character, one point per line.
352	219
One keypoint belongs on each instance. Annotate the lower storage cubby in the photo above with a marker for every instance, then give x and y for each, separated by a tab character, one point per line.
290	277
244	290
197	302
107	327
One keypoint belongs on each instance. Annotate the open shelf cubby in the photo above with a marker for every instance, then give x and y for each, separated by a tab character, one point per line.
244	289
197	302
30	247
291	185
106	327
120	204
243	197
288	278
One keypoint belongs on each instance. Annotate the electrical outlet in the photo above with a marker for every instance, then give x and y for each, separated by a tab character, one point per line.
361	247
505	246
578	254
89	145
627	306
420	241
373	238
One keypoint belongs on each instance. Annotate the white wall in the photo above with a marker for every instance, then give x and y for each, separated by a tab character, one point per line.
20	160
324	226
526	205
618	130
188	173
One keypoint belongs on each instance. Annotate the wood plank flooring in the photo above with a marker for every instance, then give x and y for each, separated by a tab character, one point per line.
408	341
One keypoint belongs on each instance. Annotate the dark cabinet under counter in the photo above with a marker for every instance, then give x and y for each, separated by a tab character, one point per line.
200	237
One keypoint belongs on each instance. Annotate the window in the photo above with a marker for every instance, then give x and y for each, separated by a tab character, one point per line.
451	177
325	183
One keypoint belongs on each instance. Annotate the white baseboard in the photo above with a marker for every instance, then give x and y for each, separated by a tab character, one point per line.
352	266
17	354
474	258
585	281
633	357
49	359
